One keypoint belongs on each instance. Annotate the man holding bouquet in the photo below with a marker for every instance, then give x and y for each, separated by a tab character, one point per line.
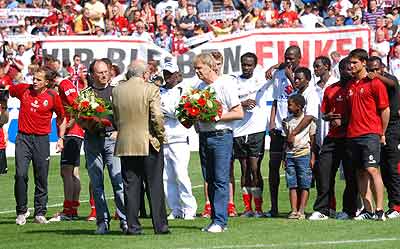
216	139
99	151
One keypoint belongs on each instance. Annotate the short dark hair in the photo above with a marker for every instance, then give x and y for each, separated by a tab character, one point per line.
305	71
359	53
249	55
325	61
375	58
293	48
343	63
298	99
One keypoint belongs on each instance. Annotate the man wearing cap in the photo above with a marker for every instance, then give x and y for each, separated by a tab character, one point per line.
162	6
177	185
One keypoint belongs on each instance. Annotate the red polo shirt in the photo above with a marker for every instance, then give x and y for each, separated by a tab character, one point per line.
366	99
334	100
36	110
68	94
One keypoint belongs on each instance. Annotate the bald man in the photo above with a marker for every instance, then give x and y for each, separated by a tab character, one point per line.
140	125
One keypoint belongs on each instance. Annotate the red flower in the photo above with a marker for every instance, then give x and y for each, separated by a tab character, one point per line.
201	101
100	109
106	122
75	106
187	106
85	104
194	111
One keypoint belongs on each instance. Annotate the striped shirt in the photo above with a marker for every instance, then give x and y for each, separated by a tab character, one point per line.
370	17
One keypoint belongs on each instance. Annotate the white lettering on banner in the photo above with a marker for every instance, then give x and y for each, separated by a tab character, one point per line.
24	12
223	15
21	38
9	22
199	39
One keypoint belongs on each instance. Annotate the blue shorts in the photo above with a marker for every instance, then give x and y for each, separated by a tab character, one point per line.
298	172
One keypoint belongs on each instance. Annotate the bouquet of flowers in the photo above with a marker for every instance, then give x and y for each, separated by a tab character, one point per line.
90	111
198	105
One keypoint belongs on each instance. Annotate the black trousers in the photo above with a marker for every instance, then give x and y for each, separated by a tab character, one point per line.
275	160
333	152
36	149
135	170
390	164
3	162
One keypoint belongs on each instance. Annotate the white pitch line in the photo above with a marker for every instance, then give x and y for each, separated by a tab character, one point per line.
49	206
297	244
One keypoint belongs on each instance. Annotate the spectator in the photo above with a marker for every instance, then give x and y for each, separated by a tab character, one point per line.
309	19
182	9
111	30
130	11
373	12
335	57
169	19
394	62
141	33
396	16
270	14
97	11
83	25
381	46
330	20
161	7
148	15
112	12
24	56
339	21
258	4
341	6
164	40
188	21
178	44
204	6
392	29
288	18
119	20
350	16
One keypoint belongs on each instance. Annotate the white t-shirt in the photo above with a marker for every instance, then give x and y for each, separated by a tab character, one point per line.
161	6
312	101
281	89
322	125
256	119
145	36
226	93
174	130
383	48
309	20
394	67
100	8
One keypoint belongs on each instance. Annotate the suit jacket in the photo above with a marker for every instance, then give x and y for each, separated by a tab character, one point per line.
138	117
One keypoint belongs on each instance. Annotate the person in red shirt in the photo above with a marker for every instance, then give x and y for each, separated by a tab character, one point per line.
70	156
3	135
38	103
288	18
368	105
5	79
333	150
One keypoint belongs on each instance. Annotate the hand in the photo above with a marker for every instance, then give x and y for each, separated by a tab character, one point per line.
59	145
268	73
114	135
331	115
312	162
372	75
289	71
383	140
290	139
249	104
272	125
335	123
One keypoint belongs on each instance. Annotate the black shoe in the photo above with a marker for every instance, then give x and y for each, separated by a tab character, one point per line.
134	231
164	230
380	215
124	227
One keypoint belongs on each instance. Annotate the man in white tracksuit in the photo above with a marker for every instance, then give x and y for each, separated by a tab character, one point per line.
177	185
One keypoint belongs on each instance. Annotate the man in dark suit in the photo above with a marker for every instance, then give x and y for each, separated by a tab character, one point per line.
140	125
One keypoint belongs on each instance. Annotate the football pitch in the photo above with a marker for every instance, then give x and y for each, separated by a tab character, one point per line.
242	232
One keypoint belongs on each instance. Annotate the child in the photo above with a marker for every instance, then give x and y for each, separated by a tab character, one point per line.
298	160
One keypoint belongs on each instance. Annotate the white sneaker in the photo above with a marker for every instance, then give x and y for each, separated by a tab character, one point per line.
215	228
342	216
318	216
365	216
392	214
60	217
172	216
21	218
40	219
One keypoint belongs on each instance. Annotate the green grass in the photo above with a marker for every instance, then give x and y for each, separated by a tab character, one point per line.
242	233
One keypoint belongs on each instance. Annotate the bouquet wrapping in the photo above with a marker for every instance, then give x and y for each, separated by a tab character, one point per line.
198	105
90	111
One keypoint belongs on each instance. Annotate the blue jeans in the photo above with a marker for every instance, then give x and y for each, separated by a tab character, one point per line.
99	152
217	150
298	172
